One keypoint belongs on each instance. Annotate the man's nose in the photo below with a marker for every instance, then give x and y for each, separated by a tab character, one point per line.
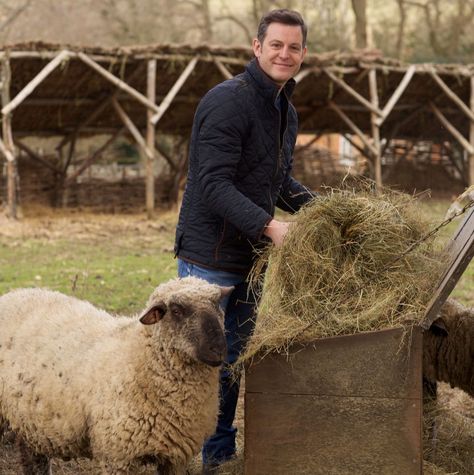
285	52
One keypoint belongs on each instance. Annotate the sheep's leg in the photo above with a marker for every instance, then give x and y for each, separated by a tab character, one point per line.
32	462
168	468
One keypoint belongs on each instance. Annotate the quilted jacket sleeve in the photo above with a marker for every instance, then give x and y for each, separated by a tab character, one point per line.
222	130
293	195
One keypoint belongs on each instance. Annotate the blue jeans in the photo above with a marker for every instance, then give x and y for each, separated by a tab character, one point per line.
239	323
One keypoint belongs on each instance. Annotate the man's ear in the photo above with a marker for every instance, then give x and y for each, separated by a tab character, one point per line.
257	48
153	314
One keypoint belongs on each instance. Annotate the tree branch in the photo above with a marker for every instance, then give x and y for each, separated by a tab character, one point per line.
240	23
15	14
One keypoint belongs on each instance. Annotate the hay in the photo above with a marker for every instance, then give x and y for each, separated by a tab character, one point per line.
448	447
343	269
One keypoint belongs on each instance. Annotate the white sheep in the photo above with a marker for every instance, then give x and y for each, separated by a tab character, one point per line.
76	381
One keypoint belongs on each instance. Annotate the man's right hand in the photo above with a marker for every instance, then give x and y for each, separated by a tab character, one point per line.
276	231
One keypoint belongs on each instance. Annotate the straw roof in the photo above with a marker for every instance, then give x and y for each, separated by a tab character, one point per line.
72	91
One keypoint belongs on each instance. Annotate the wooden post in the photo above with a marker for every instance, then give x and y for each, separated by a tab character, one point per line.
118	82
11	211
94	157
471	139
450	127
133	129
374	98
355	94
36	81
224	71
353	127
454	97
97	111
150	140
397	94
166	102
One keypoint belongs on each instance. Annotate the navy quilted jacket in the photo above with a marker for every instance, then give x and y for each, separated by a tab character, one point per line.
240	160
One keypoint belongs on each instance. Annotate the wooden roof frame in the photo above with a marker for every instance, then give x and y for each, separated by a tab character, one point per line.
70	92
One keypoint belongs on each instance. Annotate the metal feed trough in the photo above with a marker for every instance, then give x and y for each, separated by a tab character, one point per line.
348	404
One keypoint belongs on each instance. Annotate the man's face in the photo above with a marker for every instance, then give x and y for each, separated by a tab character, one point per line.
281	53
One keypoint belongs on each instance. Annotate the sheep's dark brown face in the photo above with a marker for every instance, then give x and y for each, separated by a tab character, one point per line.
201	330
195	328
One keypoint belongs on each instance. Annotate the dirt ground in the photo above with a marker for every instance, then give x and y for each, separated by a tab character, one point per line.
85	226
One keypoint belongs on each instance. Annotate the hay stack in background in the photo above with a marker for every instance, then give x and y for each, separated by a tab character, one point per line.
342	270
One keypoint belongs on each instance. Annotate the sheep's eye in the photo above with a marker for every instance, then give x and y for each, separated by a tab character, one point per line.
176	310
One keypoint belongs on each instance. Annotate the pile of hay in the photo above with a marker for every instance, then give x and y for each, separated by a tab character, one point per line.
448	438
343	269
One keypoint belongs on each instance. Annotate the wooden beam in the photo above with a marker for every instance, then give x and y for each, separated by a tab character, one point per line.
93	158
454	132
353	93
97	111
461	251
454	97
362	150
6	153
302	74
166	156
396	95
150	140
38	79
7	134
174	90
224	71
353	127
32	154
118	82
132	129
374	98
470	163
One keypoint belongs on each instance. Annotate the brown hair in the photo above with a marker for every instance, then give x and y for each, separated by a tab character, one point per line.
285	16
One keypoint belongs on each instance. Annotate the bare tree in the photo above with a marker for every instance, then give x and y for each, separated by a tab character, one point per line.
360	11
202	11
400	45
10	13
447	23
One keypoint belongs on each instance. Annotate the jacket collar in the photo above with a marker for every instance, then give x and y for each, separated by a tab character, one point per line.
265	85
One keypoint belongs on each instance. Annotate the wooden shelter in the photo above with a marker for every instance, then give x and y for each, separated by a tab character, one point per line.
71	92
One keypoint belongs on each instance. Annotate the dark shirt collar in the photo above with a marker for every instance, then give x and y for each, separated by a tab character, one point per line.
267	87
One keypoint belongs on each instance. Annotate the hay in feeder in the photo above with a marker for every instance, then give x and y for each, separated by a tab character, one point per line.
344	268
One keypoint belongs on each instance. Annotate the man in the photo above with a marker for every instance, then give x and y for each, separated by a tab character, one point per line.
240	159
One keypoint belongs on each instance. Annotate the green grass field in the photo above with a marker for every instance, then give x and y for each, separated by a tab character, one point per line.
113	261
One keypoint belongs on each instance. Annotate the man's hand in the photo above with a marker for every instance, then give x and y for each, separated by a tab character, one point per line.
276	231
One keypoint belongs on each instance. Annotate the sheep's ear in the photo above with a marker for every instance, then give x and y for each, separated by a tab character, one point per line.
225	291
438	327
153	314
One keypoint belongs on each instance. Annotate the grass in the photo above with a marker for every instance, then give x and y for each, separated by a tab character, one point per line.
114	262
